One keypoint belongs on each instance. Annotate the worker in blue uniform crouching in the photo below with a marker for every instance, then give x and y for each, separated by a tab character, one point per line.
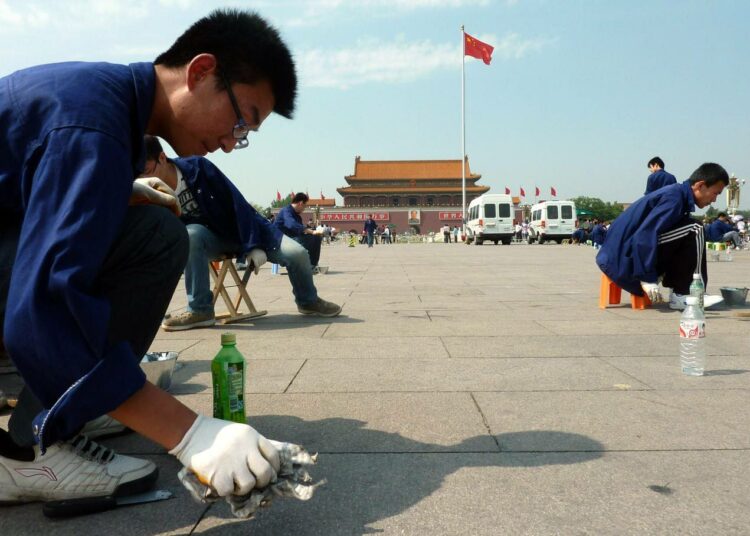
86	272
655	239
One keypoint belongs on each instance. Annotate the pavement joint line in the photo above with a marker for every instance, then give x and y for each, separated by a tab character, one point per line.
202	516
445	348
484	421
572	451
601	359
295	376
326	330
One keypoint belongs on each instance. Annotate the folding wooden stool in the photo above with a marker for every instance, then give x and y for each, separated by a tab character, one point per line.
219	269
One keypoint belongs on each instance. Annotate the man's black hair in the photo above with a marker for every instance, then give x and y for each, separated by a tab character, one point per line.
656	160
721	215
710	173
247	49
152	146
300	196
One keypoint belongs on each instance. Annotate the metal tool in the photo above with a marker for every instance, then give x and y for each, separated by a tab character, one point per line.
93	505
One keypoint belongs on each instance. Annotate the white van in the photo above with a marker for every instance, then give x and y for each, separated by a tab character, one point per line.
490	217
552	220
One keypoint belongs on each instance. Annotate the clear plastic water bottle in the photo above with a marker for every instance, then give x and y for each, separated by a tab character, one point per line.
697	289
728	256
692	339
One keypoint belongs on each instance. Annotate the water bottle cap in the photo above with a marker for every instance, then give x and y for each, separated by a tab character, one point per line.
697	276
691	300
228	338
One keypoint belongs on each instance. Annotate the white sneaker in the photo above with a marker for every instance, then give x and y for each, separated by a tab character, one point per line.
677	301
103	426
72	470
709	300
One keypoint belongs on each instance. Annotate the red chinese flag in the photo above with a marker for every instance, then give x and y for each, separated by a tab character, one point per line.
476	49
536	191
523	193
278	195
553	191
507	191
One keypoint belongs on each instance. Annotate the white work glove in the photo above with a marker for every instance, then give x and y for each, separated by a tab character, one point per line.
652	291
258	257
229	457
154	191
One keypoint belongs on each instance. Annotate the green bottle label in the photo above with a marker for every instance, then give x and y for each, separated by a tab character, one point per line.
228	378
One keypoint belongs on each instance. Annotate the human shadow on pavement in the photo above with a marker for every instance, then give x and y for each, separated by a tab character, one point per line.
374	475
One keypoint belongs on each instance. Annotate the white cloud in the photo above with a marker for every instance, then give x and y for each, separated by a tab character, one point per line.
399	61
315	12
30	15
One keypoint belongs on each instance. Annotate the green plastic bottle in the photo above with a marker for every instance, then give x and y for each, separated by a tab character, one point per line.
228	374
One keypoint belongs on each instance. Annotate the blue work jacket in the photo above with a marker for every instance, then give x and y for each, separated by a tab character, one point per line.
370	226
227	212
628	255
598	234
289	222
717	229
659	179
72	143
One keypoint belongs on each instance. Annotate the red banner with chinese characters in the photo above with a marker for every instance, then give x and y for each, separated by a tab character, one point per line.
450	215
354	216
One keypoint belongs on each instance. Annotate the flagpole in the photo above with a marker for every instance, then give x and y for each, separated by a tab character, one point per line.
463	131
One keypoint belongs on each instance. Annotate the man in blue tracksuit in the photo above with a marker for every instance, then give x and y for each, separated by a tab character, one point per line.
598	234
720	230
289	222
656	238
88	264
220	221
658	178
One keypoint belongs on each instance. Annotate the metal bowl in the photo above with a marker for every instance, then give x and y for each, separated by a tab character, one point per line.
323	269
159	367
734	295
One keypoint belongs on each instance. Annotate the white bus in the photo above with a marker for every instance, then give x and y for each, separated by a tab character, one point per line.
490	217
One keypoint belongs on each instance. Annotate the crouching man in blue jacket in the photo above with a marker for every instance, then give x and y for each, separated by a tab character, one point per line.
220	221
289	222
720	230
85	276
655	239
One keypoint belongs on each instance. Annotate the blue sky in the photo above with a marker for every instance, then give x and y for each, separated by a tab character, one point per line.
580	94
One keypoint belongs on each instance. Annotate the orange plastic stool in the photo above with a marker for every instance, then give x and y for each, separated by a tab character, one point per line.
611	294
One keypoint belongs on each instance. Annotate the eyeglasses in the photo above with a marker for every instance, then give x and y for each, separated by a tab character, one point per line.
241	129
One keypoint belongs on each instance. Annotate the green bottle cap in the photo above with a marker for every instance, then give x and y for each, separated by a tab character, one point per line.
228	338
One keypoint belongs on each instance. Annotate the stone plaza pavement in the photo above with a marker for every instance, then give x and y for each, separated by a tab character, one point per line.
474	391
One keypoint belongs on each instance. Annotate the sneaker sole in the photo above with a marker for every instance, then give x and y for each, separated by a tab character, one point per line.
317	313
204	324
139	485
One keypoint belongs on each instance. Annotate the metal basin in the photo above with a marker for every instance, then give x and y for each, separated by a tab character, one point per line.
159	367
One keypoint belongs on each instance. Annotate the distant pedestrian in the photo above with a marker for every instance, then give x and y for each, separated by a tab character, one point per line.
658	178
446	233
455	234
369	230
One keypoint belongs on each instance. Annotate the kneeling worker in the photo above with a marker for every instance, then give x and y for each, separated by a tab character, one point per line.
655	239
219	221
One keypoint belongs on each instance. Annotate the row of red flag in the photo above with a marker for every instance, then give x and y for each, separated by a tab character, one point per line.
537	191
